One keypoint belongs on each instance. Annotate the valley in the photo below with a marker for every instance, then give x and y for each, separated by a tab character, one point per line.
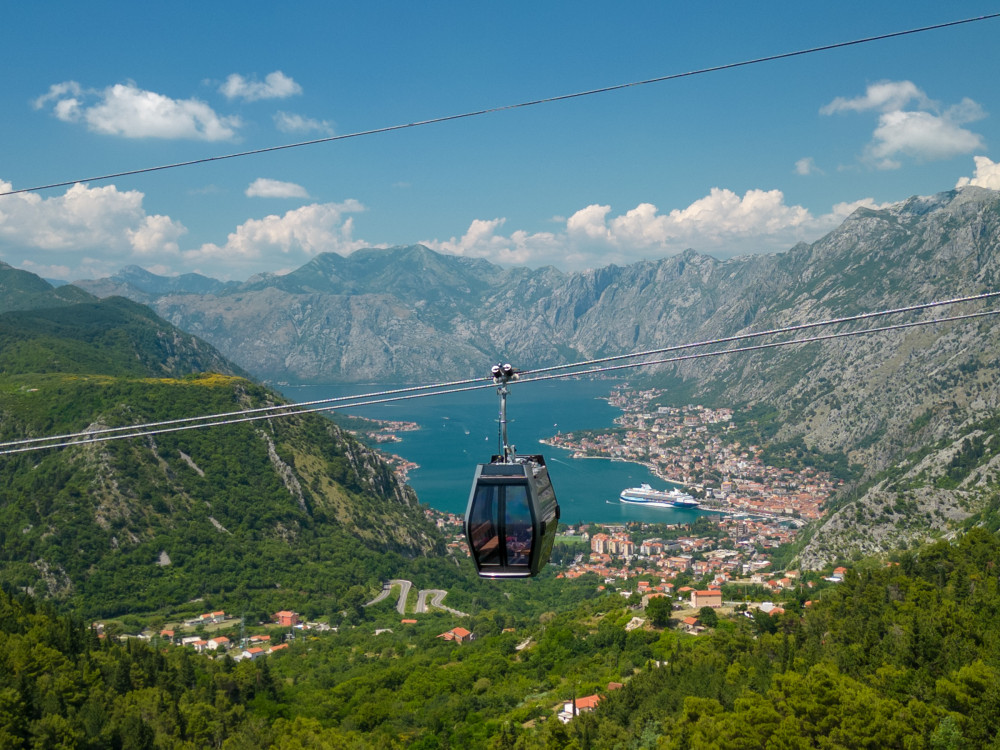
847	594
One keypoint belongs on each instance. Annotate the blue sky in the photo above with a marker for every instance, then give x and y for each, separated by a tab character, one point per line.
733	162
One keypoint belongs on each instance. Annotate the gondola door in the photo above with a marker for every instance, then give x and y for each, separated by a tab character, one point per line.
500	526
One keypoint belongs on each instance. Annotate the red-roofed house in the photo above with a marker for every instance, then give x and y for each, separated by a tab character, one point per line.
458	634
599	543
691	623
286	618
577	707
707	598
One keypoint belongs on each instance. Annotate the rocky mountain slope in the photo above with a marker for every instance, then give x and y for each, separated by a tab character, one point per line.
884	398
371	315
287	508
874	399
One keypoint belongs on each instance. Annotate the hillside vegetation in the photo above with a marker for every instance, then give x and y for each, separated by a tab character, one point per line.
272	513
868	403
898	656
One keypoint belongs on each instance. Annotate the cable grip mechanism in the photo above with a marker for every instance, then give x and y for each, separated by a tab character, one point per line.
502	375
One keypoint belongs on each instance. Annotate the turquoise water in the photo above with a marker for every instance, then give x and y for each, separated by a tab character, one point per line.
458	431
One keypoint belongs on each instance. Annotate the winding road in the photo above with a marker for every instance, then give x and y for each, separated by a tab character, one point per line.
404	592
435	597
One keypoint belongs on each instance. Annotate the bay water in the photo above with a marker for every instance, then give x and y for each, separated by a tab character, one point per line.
459	430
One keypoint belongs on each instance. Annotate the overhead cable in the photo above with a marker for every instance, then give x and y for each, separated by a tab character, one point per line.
771	345
592	371
342	400
773	331
507	107
255	410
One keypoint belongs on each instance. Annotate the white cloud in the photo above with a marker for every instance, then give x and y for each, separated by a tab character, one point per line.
46	271
96	231
275	85
128	111
85	223
520	248
590	223
925	132
886	96
296	236
807	166
66	96
921	135
288	122
265	188
987	175
92	232
721	223
840	211
723	216
155	236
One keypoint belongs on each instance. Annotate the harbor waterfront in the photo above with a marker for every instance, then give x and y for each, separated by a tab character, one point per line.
459	430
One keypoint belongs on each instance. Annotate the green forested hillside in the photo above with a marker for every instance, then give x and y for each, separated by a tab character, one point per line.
66	688
111	337
902	655
23	290
290	513
273	513
905	655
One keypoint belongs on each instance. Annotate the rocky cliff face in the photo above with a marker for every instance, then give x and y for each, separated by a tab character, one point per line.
372	315
877	398
845	393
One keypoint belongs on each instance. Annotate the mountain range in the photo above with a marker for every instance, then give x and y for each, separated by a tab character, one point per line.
293	513
875	400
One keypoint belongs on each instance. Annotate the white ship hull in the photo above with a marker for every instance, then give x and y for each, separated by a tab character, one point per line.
646	495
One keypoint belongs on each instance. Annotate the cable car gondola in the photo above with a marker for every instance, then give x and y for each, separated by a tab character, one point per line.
512	515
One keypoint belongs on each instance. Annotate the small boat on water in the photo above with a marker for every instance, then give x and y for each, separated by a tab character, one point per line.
646	495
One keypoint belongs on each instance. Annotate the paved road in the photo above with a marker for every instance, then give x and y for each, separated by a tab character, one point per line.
436	600
404	592
435	597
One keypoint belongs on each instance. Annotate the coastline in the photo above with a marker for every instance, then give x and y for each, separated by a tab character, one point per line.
648	466
447	450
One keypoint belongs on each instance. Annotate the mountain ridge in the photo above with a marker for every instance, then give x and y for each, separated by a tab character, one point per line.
874	400
276	512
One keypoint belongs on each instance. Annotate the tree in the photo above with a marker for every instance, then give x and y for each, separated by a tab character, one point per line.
659	610
708	616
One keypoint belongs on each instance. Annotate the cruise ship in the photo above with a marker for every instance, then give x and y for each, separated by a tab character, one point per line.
646	495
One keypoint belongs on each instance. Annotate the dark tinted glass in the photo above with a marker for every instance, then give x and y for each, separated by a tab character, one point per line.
518	525
483	534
